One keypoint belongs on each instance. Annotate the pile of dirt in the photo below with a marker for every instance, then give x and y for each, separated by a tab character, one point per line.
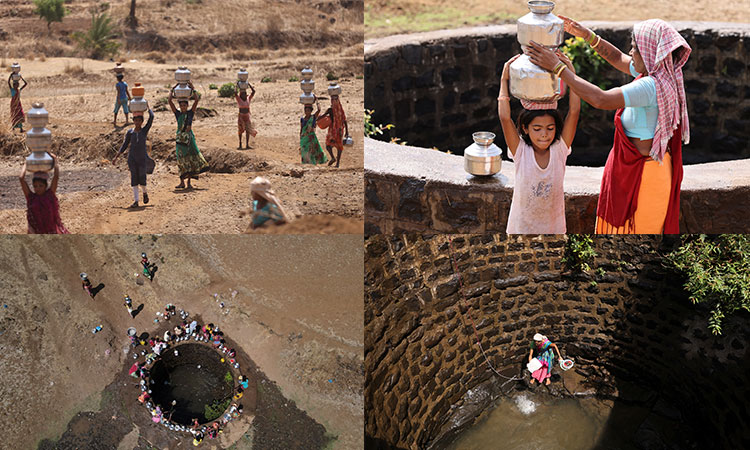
314	224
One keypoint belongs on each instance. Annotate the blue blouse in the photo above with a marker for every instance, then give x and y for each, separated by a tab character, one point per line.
641	109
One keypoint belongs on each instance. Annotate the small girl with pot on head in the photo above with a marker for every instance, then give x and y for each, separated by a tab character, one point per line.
541	349
42	208
244	123
539	145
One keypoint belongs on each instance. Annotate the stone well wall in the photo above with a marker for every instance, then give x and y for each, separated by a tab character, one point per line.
415	189
630	322
438	88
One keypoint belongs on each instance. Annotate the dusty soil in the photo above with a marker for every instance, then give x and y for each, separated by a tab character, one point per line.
384	17
79	95
297	325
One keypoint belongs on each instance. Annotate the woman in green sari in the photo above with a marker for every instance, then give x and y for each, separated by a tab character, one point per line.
309	147
190	161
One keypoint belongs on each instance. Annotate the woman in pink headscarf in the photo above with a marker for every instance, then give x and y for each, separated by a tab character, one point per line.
640	191
42	208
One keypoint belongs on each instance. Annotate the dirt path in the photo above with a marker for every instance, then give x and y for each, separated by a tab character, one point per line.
384	17
94	195
299	320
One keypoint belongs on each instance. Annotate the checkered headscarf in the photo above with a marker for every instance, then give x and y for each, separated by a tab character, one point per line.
656	40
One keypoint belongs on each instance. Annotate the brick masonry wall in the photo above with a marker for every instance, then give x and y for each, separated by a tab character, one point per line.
633	322
438	88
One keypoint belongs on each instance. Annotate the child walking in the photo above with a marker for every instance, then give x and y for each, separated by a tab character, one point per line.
539	144
123	96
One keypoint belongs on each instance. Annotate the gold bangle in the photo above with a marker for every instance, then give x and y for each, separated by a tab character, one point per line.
560	70
590	40
598	41
558	67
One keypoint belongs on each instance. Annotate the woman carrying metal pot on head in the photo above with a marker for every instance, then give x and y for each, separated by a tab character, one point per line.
337	129
190	161
309	146
244	123
640	190
17	116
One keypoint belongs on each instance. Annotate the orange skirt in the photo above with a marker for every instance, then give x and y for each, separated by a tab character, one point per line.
653	201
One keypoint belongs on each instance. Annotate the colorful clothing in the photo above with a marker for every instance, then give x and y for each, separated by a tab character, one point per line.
122	102
625	172
43	214
664	53
122	90
190	161
310	149
545	355
268	212
335	136
17	117
244	124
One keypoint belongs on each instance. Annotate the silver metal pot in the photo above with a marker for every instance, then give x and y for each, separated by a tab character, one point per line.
334	89
243	85
119	68
15	68
242	75
348	141
307	86
182	74
307	73
483	158
540	25
530	82
138	105
183	91
39	140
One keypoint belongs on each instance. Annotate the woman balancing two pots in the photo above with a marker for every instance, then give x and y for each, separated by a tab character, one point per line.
190	161
640	190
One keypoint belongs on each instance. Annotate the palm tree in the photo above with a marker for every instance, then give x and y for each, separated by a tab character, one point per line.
99	40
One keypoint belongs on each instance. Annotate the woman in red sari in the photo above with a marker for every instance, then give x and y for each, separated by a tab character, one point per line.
640	190
17	116
336	130
42	208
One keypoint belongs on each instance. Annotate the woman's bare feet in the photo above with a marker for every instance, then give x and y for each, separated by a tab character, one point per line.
531	382
546	383
181	185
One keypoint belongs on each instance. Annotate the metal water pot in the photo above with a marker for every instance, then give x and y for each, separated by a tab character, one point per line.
530	82
16	72
119	68
348	141
242	75
183	91
243	85
138	103
482	158
334	89
39	140
540	25
182	74
307	85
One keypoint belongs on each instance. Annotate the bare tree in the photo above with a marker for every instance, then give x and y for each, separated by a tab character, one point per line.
131	20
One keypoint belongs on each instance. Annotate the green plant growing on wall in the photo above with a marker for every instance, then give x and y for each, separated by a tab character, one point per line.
717	273
579	251
229	378
372	130
587	63
215	409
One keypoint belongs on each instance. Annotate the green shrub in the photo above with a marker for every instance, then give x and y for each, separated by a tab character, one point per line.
293	78
213	86
371	129
579	251
330	76
228	378
266	80
226	90
359	77
587	63
50	10
99	40
215	409
717	273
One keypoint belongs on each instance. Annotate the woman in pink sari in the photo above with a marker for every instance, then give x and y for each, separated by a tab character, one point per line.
543	359
17	117
42	208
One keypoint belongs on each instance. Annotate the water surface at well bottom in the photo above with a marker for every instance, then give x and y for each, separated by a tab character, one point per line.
523	423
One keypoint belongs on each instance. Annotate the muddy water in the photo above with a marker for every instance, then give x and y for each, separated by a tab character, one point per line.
526	423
